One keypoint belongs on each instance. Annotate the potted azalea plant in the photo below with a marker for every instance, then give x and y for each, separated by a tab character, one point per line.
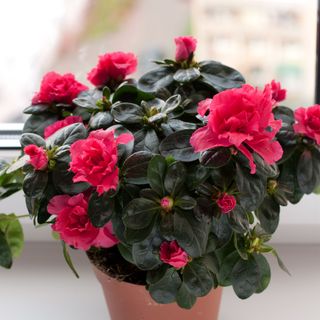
171	184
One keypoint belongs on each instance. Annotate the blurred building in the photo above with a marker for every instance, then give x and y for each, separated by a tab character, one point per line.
264	39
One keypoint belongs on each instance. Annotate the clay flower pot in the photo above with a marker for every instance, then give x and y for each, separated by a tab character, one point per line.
128	301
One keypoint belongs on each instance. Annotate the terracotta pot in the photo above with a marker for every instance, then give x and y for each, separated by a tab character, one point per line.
132	302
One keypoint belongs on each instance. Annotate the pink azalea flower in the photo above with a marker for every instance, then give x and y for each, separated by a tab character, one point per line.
226	202
185	46
38	156
308	122
73	224
56	88
241	118
171	253
113	66
94	160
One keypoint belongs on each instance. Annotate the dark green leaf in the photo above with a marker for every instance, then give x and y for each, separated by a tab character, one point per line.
238	220
156	79
13	232
228	262
308	170
145	256
135	167
156	174
130	93
37	123
68	259
196	175
67	135
280	262
197	279
34	183
178	146
36	109
88	99
185	202
184	298
219	76
5	252
126	112
126	252
175	178
140	213
215	158
151	141
252	188
100	209
264	271
222	230
191	232
178	125
165	290
245	278
268	214
32	138
186	75
101	120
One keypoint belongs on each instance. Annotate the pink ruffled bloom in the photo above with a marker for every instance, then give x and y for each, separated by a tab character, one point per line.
38	156
278	94
73	224
226	202
56	88
113	66
185	46
94	160
241	118
308	122
171	253
50	130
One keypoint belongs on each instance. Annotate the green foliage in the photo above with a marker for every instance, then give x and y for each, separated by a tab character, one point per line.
11	239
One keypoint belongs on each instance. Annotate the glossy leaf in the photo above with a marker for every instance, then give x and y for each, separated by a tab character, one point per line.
156	174
101	120
100	209
156	79
165	290
245	278
140	213
197	279
178	146
252	188
308	170
186	75
135	167
32	138
175	178
126	112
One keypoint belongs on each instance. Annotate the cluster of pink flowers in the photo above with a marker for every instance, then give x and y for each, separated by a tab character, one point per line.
240	119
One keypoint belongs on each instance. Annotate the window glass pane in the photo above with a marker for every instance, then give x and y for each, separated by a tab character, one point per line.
264	39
